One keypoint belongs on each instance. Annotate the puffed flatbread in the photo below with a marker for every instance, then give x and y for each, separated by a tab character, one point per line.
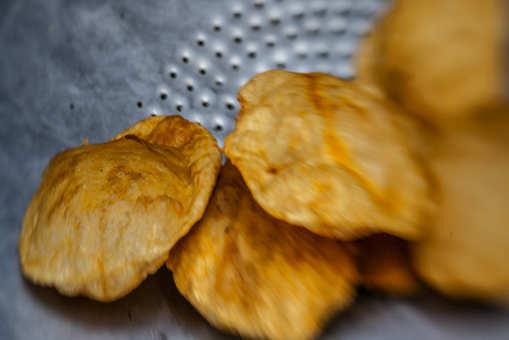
106	215
465	251
256	276
327	155
439	59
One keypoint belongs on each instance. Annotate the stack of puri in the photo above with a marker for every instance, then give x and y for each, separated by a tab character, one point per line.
447	63
392	181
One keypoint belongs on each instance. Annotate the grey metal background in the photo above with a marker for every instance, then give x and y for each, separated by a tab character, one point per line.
74	70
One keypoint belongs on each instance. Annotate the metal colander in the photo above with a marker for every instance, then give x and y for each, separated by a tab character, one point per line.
87	69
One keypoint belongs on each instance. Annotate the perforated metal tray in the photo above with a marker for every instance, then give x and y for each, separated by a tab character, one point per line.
74	70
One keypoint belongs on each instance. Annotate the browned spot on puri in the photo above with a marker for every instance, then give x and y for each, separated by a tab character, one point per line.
144	200
113	174
313	93
317	95
272	170
117	180
134	176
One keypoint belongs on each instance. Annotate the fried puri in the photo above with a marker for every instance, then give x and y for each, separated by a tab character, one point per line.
439	59
106	215
256	276
385	265
464	253
323	153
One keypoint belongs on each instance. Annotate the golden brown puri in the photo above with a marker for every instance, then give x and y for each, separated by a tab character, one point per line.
323	153
465	251
439	59
256	276
106	215
385	265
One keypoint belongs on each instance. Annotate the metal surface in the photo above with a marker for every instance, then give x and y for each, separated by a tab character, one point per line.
74	70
